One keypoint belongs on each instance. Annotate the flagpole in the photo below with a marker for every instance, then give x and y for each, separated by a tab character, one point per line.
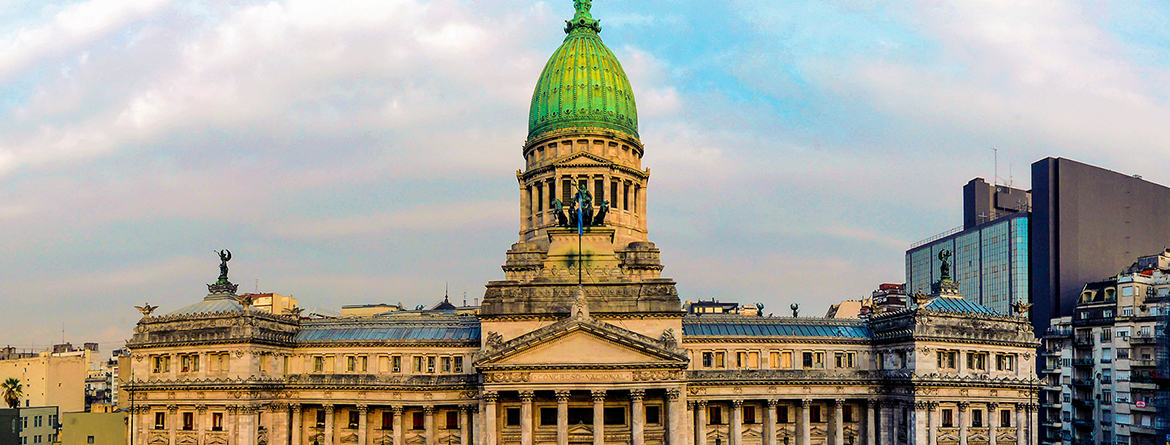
580	230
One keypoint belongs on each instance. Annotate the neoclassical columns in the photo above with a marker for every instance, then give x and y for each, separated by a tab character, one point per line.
838	422
1021	421
233	423
637	417
464	425
526	417
598	416
736	422
172	419
992	407
932	423
918	424
870	423
676	415
770	422
329	424
701	422
489	415
805	430
1033	427
963	422
690	439
295	435
363	410
562	417
429	423
396	419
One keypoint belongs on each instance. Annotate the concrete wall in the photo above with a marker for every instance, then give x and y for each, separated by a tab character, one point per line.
1088	224
50	380
106	428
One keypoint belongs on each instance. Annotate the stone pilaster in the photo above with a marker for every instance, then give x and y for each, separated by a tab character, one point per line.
525	417
562	417
701	422
464	425
870	422
991	417
489	418
429	423
329	424
676	406
770	422
396	424
964	422
736	434
638	417
598	396
838	422
295	434
804	428
363	420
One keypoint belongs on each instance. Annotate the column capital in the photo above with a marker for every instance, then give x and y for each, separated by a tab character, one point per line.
563	395
1019	407
598	395
526	396
838	402
921	405
963	405
232	409
363	408
992	405
932	405
673	394
295	407
872	403
428	409
465	408
772	402
490	396
637	394
201	408
737	403
396	409
701	404
804	403
328	408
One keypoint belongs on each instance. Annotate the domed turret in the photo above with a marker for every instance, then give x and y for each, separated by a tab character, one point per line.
583	84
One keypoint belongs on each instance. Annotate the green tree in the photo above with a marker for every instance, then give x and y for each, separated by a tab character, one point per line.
13	390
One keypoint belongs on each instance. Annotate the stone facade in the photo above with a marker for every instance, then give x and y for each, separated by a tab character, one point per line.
582	342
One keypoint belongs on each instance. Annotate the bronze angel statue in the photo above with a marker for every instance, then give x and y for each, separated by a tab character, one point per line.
146	309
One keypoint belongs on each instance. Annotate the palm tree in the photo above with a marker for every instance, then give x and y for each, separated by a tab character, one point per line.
12	391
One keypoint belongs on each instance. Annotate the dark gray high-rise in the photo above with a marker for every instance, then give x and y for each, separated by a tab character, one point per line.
1088	224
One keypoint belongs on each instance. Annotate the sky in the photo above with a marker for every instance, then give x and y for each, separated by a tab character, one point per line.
365	151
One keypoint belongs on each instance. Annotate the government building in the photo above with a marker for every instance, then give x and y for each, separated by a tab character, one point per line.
583	341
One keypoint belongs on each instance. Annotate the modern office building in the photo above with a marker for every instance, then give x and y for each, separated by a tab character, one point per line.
1101	365
990	252
1087	224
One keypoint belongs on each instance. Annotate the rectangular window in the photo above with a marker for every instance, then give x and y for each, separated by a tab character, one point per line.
807	359
754	360
774	360
396	363
749	415
946	359
977	418
418	364
580	416
387	420
847	413
318	364
445	364
354	418
160	421
217	421
417	421
548	416
365	363
350	363
512	417
948	418
613	191
740	359
719	360
458	360
714	415
566	191
188	421
653	414
320	418
1005	418
431	364
452	420
598	192
814	413
782	414
614	416
708	358
977	361
786	360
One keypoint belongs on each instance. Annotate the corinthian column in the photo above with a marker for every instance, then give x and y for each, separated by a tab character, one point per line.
396	424
637	417
598	416
870	426
562	417
805	430
736	422
464	425
838	422
701	422
363	410
963	422
295	434
676	414
1020	422
992	407
429	423
329	424
770	422
526	417
489	418
932	423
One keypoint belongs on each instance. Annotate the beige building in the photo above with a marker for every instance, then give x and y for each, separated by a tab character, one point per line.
51	379
104	428
582	341
271	303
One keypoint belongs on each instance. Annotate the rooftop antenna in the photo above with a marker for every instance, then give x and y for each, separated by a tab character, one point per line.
995	152
465	298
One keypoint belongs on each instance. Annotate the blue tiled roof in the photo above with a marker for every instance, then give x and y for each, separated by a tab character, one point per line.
778	328
960	305
389	331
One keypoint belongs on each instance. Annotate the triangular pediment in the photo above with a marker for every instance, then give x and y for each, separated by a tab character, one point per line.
579	341
582	159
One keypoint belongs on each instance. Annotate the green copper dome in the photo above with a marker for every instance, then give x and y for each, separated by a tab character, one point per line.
583	84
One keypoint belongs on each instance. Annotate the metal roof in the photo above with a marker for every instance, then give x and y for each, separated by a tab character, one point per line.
389	331
777	328
211	305
959	305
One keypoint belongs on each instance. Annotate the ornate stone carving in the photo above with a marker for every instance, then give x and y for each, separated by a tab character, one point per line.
673	394
562	395
598	395
637	394
502	377
526	396
737	403
494	340
488	396
963	405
